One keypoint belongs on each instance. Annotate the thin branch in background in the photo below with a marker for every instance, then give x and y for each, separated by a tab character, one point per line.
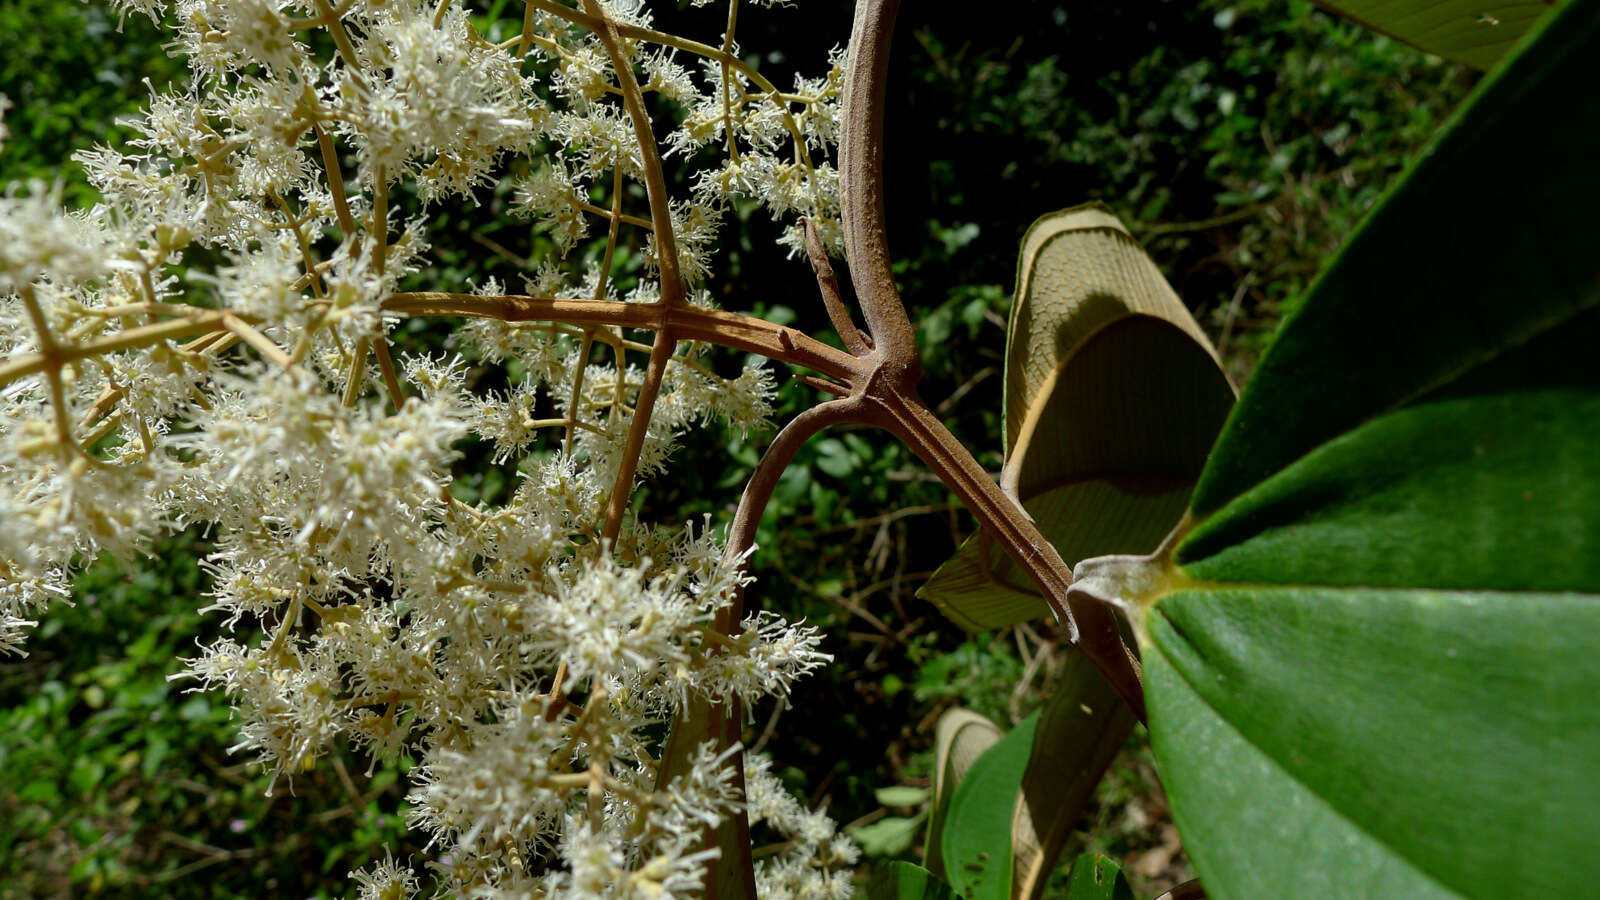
499	249
960	393
1232	314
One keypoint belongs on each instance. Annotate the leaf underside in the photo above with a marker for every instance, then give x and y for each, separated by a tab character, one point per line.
1079	270
1475	34
1375	674
1119	402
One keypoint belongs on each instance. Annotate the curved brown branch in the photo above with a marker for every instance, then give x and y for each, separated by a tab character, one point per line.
655	183
1091	626
688	323
828	285
861	190
720	720
758	490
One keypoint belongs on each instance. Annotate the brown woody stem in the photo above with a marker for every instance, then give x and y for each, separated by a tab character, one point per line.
655	183
828	285
758	491
688	323
861	189
617	502
1091	626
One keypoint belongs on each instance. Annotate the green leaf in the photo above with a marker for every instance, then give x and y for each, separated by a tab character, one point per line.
976	839
904	881
155	752
834	458
1476	34
42	792
960	740
1096	877
889	836
1374	649
901	795
1113	396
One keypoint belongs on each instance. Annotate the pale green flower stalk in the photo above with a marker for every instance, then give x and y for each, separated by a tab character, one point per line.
514	651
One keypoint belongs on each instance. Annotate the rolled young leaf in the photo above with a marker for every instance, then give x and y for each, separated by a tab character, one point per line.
1079	270
960	738
1113	397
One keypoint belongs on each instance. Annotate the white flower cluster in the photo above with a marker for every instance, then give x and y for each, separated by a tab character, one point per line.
211	344
815	865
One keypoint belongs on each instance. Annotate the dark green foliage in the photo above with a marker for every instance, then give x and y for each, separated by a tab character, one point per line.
121	782
1385	667
980	673
69	76
1239	141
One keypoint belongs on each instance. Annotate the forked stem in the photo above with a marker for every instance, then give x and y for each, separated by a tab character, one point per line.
721	719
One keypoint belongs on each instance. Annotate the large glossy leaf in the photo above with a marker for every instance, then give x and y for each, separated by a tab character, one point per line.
976	840
1476	34
1371	658
1113	397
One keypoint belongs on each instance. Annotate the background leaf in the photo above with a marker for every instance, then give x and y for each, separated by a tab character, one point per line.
960	740
1096	877
896	880
901	795
1377	651
976	839
890	836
